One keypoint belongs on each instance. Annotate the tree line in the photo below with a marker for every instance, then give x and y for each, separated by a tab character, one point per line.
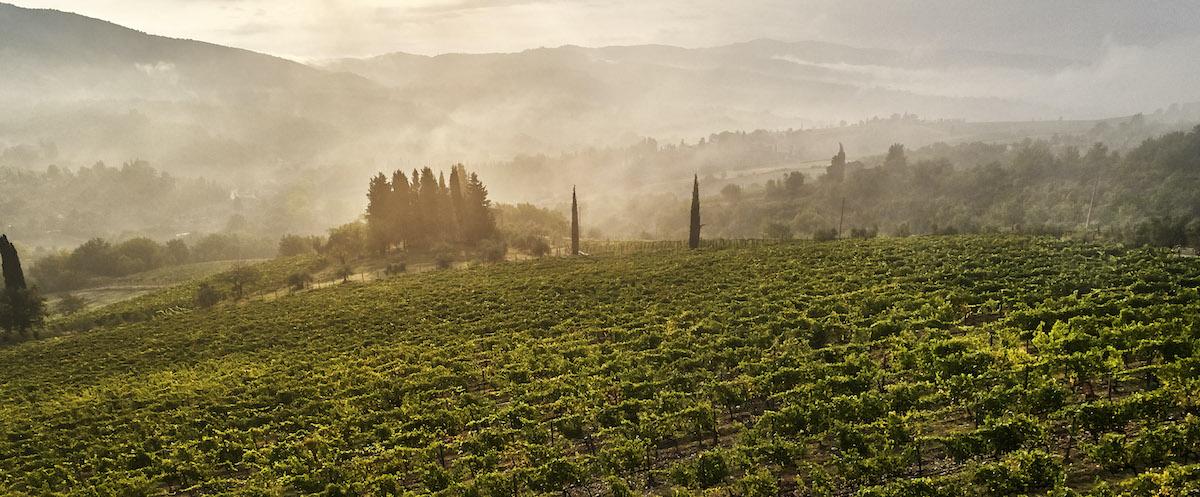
98	258
425	211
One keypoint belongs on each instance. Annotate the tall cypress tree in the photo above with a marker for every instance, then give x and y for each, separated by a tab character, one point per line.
401	208
574	223
430	202
14	277
22	308
456	198
694	229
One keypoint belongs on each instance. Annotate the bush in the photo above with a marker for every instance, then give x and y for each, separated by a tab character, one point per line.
299	280
534	245
208	296
825	235
493	250
70	304
395	268
443	260
293	245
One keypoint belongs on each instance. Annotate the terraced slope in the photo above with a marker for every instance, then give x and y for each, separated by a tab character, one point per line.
924	366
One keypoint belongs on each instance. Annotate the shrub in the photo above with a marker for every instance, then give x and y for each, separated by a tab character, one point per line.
395	268
825	235
70	304
493	250
443	260
299	280
208	296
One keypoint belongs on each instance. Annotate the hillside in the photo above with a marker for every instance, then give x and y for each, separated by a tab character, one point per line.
77	90
921	366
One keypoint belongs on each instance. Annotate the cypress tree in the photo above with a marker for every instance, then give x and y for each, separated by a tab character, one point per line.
379	223
14	277
401	208
22	308
429	203
694	231
456	198
480	224
574	223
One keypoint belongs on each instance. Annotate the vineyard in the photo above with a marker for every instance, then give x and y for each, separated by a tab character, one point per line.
939	366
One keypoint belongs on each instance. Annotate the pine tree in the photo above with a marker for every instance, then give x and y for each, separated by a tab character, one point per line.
694	229
574	223
379	222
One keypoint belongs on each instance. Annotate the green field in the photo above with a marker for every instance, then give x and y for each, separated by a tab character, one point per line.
892	367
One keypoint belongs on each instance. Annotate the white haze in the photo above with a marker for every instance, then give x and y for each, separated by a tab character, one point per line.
74	91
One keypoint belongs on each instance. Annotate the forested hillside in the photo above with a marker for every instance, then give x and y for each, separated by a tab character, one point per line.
1143	193
980	365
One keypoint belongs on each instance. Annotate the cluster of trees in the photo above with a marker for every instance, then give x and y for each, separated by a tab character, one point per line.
22	309
99	258
428	211
1149	194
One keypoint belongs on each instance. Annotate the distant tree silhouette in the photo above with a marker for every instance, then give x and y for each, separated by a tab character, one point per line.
21	308
574	223
481	224
379	211
457	184
837	166
429	211
401	217
895	156
14	277
694	228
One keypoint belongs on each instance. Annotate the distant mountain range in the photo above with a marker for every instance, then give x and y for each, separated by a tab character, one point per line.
95	90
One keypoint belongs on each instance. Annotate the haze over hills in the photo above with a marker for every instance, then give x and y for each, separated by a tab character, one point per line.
98	91
76	90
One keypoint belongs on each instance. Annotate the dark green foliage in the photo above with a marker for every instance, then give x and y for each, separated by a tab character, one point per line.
238	279
825	235
694	224
294	245
299	280
574	223
207	295
428	212
14	276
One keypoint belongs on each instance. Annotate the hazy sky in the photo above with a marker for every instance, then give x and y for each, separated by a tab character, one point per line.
316	29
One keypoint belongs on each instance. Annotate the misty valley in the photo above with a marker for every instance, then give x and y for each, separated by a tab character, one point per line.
479	248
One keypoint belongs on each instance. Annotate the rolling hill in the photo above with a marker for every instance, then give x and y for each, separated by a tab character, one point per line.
989	366
98	91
